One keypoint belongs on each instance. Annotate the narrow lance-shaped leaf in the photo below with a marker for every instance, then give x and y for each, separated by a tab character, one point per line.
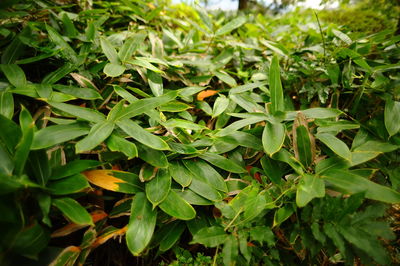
97	135
335	144
155	83
109	51
141	224
303	141
66	49
6	104
81	112
273	137
222	162
275	86
141	135
230	26
73	211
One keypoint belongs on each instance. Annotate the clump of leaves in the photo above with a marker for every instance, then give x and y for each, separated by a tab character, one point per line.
123	121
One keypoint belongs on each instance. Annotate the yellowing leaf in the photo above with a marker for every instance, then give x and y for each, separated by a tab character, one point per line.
113	180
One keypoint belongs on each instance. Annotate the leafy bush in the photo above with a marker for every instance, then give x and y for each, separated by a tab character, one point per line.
206	135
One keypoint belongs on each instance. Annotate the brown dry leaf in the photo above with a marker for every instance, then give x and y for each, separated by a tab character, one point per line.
104	238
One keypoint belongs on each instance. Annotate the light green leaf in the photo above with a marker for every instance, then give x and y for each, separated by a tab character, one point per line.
109	51
335	144
73	211
117	143
81	112
155	83
210	236
220	105
230	26
141	135
97	135
225	77
309	187
113	69
347	182
206	173
181	123
275	86
273	137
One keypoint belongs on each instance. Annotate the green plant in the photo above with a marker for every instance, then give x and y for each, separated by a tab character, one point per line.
260	148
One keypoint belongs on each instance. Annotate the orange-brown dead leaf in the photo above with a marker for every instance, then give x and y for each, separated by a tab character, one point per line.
205	94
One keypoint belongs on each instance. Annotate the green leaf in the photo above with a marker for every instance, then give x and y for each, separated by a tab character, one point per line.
97	135
230	251
82	93
181	123
59	73
347	182
6	163
109	51
81	112
143	63
180	173
65	48
376	146
14	74
67	256
238	125
23	147
141	135
114	70
220	105
392	117
130	46
246	87
141	225
141	106
53	135
68	185
225	77
154	157
158	188
72	168
210	236
192	197
309	187
335	144
171	235
117	143
206	173
155	83
222	162
230	26
177	207
282	214
6	104
275	86
317	113
273	137
73	211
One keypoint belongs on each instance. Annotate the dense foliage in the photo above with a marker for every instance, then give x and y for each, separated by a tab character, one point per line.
135	132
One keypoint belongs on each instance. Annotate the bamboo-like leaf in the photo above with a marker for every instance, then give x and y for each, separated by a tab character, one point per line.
109	51
230	26
273	137
113	180
141	225
335	144
309	187
158	188
73	211
303	141
177	207
96	136
14	74
275	86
